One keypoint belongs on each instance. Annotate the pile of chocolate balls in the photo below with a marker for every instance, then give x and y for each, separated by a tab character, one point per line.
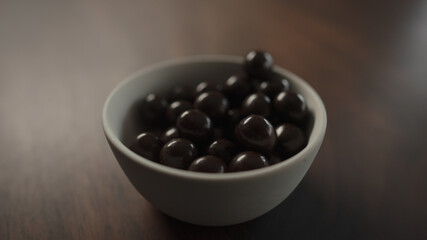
250	120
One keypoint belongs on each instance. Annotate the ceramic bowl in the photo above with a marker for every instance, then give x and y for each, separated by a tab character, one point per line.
202	198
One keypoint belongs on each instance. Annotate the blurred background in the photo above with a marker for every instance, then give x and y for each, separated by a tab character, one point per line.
60	59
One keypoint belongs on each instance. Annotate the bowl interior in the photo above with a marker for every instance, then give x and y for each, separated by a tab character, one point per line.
122	121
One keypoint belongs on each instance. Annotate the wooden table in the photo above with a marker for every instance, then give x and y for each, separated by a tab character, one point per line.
59	60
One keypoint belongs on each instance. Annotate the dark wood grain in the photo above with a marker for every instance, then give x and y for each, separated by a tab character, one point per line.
59	60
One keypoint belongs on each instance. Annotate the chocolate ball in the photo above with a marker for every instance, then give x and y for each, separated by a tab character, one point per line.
256	103
290	106
180	93
208	164
178	153
153	108
206	87
148	146
194	125
236	88
213	103
254	132
273	86
258	64
247	161
169	134
290	140
175	109
224	149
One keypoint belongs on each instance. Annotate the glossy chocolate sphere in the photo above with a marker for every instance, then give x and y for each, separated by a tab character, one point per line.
290	140
258	64
213	103
290	106
256	103
236	88
194	125
254	132
247	161
153	108
178	153
148	146
208	164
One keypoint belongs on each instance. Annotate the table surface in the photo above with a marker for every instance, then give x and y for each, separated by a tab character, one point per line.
60	59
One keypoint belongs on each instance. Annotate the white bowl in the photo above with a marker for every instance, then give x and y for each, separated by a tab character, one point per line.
201	198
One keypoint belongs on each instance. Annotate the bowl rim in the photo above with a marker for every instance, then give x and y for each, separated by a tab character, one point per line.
316	137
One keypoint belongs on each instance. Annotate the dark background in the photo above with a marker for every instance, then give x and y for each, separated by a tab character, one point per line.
60	59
